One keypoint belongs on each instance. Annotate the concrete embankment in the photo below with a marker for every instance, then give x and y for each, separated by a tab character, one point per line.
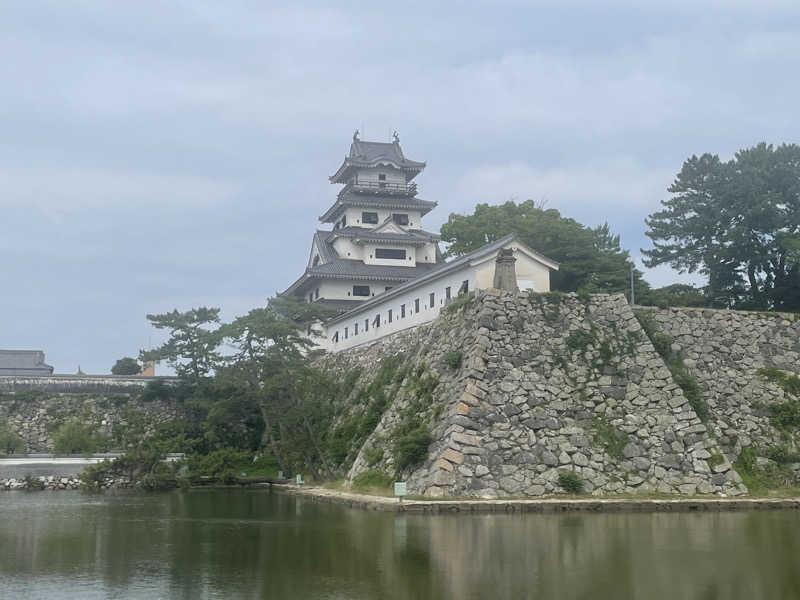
542	505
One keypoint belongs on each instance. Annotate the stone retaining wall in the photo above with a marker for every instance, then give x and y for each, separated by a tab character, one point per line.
547	380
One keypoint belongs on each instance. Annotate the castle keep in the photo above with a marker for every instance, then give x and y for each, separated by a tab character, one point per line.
380	269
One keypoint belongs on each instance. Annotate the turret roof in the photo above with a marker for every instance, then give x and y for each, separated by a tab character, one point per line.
370	154
352	198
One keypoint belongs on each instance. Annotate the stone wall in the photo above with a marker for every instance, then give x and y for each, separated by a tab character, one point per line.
547	385
724	350
36	415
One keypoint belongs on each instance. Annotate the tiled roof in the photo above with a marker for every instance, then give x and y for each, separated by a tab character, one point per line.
352	198
366	233
367	154
23	362
356	270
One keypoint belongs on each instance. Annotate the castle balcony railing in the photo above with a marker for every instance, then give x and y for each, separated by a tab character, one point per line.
380	188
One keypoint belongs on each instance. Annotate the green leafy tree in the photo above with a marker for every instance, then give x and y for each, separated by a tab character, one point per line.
274	347
77	437
591	259
736	222
193	341
10	441
126	366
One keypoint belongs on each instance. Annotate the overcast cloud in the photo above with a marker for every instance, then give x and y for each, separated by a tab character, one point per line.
157	155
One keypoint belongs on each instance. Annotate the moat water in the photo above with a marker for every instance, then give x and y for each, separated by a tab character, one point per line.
254	544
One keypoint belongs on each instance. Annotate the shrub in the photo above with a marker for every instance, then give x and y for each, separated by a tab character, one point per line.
715	459
372	479
789	382
453	359
570	482
75	437
411	448
610	439
126	366
580	339
782	455
373	456
10	442
459	303
760	479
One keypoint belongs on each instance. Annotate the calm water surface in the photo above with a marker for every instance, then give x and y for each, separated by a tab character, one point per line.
253	544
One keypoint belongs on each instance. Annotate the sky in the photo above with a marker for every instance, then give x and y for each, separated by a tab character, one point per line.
158	155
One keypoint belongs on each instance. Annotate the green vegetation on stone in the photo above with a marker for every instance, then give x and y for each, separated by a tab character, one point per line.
372	480
570	482
610	439
674	361
453	359
459	303
10	442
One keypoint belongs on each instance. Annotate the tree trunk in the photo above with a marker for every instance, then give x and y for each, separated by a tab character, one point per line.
270	439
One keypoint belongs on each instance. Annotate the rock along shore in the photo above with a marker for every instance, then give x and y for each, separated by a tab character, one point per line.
541	505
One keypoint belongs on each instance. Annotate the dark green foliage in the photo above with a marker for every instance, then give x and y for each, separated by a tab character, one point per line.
782	455
155	389
357	425
226	464
459	303
580	340
677	294
33	483
674	361
453	359
126	366
10	442
715	459
761	479
738	223
591	258
610	439
194	336
373	456
788	382
410	447
372	480
570	482
77	437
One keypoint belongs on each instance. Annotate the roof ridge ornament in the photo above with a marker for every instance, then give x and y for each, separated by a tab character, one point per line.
355	135
395	137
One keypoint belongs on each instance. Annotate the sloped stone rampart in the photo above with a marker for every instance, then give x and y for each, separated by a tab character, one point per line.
724	350
548	384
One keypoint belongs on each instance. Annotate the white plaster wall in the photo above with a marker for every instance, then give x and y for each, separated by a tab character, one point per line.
527	269
353	216
341	289
347	249
393	175
410	261
425	314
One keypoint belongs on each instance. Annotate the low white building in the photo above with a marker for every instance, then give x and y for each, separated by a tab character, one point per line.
421	300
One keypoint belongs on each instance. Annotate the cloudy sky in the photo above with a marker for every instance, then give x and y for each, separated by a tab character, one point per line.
158	155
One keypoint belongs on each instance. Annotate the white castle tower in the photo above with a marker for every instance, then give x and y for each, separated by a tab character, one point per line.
377	241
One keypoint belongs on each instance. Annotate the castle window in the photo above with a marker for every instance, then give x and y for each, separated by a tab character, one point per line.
416	305
402	311
360	290
432	299
369	217
377	322
382	177
390	315
464	287
316	293
447	294
366	324
355	329
400	219
345	333
335	337
390	253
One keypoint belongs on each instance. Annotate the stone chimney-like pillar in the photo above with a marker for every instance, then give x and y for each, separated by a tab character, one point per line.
505	272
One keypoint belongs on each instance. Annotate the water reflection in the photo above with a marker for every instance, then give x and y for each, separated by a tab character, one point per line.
251	544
